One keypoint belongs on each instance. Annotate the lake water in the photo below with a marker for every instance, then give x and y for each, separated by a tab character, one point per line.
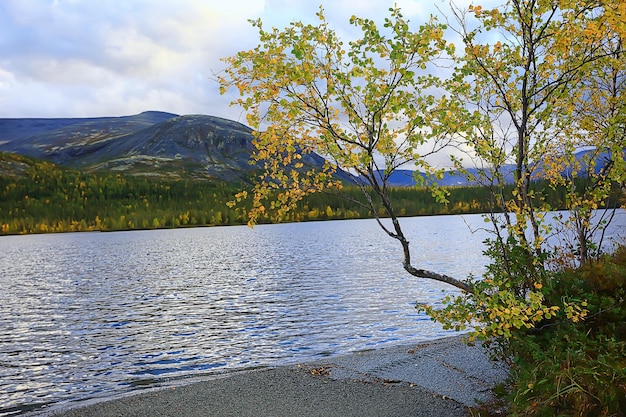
88	315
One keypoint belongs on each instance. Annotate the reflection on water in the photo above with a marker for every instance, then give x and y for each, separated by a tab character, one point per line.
96	314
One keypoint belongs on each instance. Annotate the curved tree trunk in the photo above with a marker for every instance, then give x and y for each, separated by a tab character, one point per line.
398	234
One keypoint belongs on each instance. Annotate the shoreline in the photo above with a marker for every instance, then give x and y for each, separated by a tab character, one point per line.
442	377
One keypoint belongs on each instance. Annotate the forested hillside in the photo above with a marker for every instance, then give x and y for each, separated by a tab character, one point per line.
41	197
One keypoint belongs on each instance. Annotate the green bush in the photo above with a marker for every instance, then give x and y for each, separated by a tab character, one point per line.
576	369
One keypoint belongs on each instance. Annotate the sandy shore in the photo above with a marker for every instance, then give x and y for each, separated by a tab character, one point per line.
439	378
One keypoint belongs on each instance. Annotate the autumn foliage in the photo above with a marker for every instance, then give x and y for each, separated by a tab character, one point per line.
528	84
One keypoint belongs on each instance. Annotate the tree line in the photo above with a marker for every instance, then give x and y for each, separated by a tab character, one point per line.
48	198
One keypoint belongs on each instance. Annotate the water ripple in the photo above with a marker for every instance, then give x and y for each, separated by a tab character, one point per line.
94	314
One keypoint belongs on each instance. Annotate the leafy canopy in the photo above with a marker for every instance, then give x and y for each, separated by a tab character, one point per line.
536	98
366	106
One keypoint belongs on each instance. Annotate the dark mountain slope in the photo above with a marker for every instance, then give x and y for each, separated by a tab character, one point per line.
195	138
197	145
152	143
51	138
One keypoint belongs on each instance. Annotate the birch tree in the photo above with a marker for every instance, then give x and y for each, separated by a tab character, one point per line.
520	94
368	106
542	78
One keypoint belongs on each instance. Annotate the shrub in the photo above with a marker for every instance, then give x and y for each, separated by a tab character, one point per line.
576	368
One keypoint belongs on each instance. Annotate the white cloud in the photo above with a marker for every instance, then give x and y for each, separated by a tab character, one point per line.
84	58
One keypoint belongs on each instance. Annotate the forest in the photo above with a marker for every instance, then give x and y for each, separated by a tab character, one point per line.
47	198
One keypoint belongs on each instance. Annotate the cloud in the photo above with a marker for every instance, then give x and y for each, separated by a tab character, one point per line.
84	58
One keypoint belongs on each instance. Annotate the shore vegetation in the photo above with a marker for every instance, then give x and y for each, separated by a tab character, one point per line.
512	89
47	198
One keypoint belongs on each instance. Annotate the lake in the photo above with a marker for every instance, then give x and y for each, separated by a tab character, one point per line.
88	315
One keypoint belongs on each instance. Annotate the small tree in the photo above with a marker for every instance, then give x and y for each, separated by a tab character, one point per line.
368	107
536	98
597	123
516	97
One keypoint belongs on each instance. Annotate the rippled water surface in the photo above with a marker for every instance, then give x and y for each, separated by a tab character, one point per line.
96	314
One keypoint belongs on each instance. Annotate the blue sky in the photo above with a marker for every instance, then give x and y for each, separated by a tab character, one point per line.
91	58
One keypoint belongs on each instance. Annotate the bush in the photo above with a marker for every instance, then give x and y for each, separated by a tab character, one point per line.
576	368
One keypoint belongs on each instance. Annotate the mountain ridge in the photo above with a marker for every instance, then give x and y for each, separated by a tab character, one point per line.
155	143
20	128
149	143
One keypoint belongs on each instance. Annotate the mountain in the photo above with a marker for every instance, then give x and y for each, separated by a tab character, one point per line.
168	145
59	130
405	177
150	143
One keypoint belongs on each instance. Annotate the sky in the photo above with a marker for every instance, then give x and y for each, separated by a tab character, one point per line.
100	58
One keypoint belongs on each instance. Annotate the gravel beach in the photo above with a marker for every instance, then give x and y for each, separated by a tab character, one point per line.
437	378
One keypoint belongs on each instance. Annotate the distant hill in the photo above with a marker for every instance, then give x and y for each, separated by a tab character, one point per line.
166	145
406	178
150	143
45	130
